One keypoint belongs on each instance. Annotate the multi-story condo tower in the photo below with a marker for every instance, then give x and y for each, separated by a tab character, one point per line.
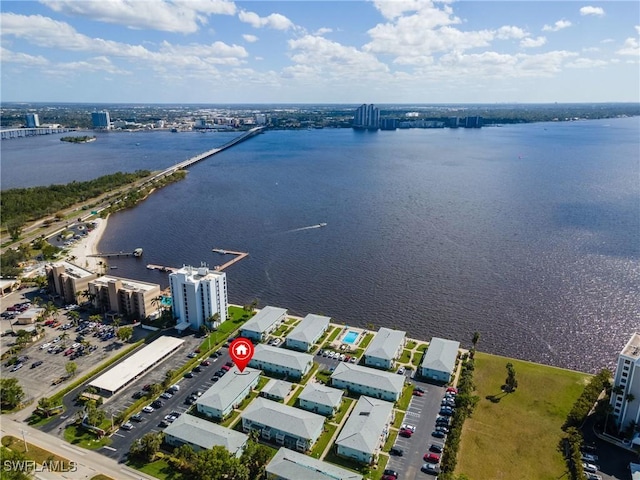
32	120
199	295
101	120
367	117
625	397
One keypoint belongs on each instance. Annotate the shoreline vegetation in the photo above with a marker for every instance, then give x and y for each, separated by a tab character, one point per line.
82	139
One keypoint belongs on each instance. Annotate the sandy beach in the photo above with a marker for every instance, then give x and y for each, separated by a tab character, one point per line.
88	245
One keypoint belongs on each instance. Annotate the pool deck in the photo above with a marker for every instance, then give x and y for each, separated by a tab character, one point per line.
339	344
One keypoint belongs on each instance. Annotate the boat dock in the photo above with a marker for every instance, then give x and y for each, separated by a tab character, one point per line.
161	268
238	256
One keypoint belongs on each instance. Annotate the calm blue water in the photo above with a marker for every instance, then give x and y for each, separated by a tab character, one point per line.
529	234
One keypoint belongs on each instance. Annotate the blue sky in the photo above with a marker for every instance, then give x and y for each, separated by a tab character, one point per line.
385	51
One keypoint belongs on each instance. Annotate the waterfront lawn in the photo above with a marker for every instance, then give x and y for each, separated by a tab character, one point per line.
334	334
422	348
366	341
516	435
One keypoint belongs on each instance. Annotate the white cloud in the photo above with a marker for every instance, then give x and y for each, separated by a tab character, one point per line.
597	11
22	58
586	63
275	20
96	64
322	31
507	32
630	47
590	49
637	27
533	42
250	38
559	25
177	16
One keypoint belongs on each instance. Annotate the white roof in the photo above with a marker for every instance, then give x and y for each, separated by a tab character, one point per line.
441	355
385	344
365	425
281	356
309	328
358	375
205	434
277	388
222	393
321	394
293	421
127	283
264	319
73	270
291	465
131	367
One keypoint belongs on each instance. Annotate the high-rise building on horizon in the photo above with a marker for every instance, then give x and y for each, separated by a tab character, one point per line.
197	295
367	117
625	395
32	120
101	120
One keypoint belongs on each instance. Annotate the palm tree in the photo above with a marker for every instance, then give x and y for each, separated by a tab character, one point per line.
74	316
156	303
630	397
475	339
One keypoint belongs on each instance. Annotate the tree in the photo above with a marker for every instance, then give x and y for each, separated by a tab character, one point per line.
14	227
95	318
147	447
168	376
217	462
95	416
124	333
475	339
12	393
255	457
23	337
630	397
12	457
511	383
71	368
74	316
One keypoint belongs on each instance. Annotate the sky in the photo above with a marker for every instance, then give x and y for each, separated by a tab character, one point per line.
316	51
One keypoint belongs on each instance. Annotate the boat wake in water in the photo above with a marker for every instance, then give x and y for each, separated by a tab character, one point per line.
319	225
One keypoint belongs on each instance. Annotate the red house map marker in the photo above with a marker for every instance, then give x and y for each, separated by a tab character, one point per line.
241	351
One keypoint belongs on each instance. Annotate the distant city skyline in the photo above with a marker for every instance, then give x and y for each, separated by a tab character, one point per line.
381	51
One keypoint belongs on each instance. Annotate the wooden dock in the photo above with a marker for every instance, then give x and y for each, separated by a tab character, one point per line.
238	256
162	268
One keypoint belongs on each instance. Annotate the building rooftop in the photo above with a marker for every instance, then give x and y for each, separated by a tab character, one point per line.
205	434
358	375
291	465
385	344
368	420
73	270
137	363
222	393
281	356
321	394
291	420
264	319
632	348
441	355
309	328
277	388
134	285
197	274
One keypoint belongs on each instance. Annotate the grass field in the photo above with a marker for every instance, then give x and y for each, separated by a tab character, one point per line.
516	435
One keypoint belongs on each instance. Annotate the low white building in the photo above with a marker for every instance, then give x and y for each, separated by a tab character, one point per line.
318	398
385	348
282	424
307	332
281	361
368	381
366	430
627	377
263	323
227	393
200	434
439	361
291	465
276	390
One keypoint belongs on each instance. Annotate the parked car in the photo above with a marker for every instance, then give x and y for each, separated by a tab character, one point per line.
452	390
206	363
401	371
148	409
157	404
419	389
166	395
17	367
138	394
36	364
136	418
405	433
590	467
393	473
430	468
436	447
438	434
188	375
127	426
398	452
418	393
409	427
431	457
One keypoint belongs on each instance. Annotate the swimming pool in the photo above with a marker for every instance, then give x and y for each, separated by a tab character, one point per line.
166	301
350	337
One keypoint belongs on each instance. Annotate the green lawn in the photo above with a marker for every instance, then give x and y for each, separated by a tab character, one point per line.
324	376
39	455
346	403
292	401
336	331
382	464
159	469
405	357
390	440
411	344
405	398
516	435
366	340
423	347
323	441
77	435
417	358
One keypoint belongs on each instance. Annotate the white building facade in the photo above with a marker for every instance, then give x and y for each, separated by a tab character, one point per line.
307	332
263	323
439	362
368	381
626	403
281	361
385	348
198	294
227	393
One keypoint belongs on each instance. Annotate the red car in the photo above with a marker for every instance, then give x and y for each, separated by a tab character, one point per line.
389	477
431	457
206	363
226	368
418	393
405	432
452	390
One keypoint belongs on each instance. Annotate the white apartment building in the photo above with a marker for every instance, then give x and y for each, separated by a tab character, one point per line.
626	404
197	295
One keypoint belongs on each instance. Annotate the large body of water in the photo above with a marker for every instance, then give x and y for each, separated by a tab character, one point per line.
529	234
